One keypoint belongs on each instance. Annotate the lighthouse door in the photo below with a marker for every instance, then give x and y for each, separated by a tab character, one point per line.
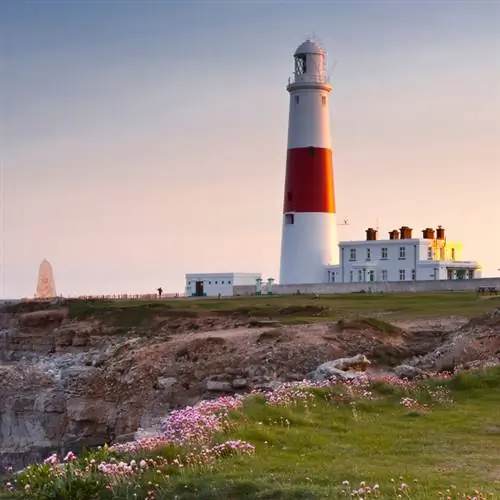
199	292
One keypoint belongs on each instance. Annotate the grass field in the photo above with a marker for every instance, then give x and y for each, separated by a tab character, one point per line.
306	448
294	309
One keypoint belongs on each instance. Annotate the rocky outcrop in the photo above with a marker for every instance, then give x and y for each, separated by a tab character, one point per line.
409	372
343	368
477	340
70	383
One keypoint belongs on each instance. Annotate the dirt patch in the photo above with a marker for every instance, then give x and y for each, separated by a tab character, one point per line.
275	335
200	347
373	324
43	318
489	320
302	311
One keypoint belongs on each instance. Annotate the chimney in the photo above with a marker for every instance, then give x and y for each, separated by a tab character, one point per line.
371	234
440	233
394	235
428	233
406	233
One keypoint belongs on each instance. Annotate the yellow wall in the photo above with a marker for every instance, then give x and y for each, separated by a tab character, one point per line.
445	250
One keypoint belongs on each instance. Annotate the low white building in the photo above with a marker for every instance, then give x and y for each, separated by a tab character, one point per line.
401	258
213	284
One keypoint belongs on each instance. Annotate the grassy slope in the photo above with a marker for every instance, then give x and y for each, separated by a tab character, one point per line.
453	445
396	306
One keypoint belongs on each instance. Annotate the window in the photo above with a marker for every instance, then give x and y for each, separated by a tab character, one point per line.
229	282
222	282
323	100
289	218
352	254
371	275
402	275
452	254
368	254
289	196
402	252
209	282
300	64
297	99
351	276
216	282
413	274
429	253
384	253
360	275
333	276
384	274
189	282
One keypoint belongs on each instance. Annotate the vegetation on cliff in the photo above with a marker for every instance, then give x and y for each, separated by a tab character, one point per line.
288	309
371	437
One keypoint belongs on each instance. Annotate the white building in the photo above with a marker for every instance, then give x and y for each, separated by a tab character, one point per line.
213	284
401	258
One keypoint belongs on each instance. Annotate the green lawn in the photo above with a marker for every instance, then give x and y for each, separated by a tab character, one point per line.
293	309
453	446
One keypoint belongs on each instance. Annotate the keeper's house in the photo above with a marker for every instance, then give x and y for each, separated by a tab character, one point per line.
401	258
215	284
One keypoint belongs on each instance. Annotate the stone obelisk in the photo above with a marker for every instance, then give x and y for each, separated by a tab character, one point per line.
46	287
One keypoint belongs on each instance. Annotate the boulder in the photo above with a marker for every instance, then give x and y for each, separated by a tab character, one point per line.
239	383
343	368
216	386
166	383
409	372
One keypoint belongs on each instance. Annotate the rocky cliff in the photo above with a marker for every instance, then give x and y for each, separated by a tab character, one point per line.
70	381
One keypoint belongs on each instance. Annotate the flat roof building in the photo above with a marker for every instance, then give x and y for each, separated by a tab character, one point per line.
215	284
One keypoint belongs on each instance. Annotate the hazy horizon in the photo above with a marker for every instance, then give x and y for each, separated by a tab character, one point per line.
143	141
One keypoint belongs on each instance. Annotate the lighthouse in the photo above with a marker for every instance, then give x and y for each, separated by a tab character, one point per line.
309	235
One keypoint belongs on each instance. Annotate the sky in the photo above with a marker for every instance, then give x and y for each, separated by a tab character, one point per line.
143	140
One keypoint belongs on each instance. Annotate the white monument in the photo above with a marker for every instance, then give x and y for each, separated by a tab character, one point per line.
46	287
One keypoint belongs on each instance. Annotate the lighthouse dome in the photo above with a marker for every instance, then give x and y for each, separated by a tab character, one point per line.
309	47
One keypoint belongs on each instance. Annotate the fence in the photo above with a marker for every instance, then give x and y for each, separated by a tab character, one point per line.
118	296
380	287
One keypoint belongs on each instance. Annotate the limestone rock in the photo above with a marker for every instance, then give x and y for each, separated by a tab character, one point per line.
409	372
343	368
217	386
166	383
239	383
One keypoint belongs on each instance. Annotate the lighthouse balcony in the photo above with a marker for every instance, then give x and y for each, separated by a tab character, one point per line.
299	78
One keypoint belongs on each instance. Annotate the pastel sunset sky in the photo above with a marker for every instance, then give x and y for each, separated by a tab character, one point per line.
143	140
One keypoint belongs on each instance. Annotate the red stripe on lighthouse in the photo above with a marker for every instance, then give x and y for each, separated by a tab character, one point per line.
309	181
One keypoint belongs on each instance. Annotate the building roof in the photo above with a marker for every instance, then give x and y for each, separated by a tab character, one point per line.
309	47
223	274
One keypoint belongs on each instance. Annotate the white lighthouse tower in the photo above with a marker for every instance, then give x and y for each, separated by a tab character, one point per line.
309	239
